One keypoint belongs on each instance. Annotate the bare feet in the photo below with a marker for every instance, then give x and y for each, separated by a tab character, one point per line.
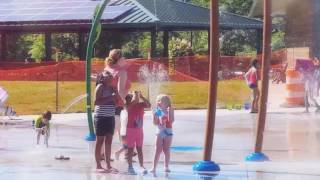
112	170
101	170
152	170
116	155
144	170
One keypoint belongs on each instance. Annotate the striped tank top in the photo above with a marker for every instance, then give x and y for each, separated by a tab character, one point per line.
107	109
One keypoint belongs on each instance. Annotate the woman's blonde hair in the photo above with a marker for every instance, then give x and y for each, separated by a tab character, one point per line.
114	56
164	99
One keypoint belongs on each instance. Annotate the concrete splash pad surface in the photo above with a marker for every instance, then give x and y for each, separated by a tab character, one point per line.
291	141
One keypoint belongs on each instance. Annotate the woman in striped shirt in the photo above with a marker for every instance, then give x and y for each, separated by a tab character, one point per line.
105	103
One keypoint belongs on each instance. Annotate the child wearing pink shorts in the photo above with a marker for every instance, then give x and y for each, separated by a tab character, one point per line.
135	128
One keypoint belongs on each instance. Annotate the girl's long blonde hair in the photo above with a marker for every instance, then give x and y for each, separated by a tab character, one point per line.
114	56
164	99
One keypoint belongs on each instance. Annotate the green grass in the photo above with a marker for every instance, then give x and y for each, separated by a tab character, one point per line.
33	97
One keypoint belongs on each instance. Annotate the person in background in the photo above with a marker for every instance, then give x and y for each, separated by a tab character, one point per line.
252	81
42	127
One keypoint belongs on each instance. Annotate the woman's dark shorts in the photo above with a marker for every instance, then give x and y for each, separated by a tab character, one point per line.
104	125
118	110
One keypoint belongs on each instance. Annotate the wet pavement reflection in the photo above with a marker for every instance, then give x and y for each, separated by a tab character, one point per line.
291	140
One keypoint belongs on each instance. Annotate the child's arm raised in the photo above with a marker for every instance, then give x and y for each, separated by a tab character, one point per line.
146	102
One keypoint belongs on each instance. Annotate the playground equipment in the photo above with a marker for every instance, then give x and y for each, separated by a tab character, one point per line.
93	37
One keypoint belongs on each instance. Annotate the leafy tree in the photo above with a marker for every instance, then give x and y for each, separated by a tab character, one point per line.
19	45
178	47
241	7
109	40
235	41
203	3
131	48
200	42
278	40
67	43
144	41
37	50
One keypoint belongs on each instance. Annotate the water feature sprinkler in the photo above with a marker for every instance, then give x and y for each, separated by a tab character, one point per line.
93	37
206	165
267	25
257	157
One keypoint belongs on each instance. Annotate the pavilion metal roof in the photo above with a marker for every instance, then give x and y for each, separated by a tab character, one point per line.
64	15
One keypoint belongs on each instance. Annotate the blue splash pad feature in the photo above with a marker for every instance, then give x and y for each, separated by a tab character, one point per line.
185	148
90	137
257	157
205	166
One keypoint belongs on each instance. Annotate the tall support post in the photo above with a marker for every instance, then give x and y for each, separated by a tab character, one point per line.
48	45
165	42
3	46
266	54
81	49
207	164
94	35
153	43
316	30
259	40
209	40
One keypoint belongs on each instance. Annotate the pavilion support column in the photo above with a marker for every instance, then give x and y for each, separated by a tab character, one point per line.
3	46
82	47
48	46
191	38
153	43
165	43
259	40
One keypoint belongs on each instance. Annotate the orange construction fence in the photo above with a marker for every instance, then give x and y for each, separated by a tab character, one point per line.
188	68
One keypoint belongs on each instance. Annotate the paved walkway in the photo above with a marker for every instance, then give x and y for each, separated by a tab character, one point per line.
291	140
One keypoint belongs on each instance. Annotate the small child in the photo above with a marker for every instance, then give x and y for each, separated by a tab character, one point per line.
42	126
123	129
163	117
124	148
134	134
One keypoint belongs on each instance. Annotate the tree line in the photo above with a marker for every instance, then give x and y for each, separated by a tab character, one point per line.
137	44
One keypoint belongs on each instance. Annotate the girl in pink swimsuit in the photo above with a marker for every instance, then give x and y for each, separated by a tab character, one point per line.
252	80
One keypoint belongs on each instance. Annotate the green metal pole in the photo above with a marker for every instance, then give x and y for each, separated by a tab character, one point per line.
92	39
